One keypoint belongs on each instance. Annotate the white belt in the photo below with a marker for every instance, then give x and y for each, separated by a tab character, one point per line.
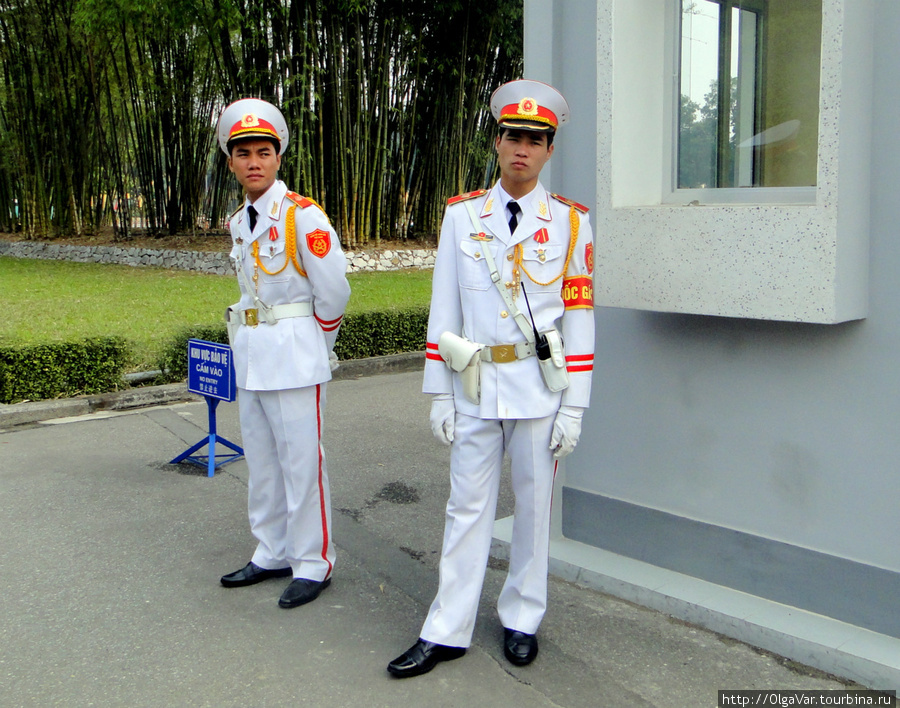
270	315
505	353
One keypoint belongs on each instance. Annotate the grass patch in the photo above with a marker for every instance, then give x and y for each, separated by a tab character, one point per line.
56	301
380	291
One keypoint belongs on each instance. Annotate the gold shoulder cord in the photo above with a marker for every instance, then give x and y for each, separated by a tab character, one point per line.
291	240
290	244
517	258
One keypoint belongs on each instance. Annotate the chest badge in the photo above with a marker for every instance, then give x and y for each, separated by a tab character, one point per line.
481	237
273	233
542	236
239	240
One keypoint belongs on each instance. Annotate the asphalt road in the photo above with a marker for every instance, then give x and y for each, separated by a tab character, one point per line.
109	591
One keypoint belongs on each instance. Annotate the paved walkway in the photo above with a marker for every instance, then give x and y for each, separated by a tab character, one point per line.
109	593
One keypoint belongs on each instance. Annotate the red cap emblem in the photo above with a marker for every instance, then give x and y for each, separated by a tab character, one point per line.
319	242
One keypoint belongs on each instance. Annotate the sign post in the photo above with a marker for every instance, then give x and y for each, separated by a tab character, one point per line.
210	374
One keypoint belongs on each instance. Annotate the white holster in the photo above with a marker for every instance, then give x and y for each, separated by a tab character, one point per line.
553	369
462	356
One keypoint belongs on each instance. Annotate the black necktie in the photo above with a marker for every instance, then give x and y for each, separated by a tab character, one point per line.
514	219
251	212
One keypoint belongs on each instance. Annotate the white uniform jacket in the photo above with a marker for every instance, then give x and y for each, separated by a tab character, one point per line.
465	301
292	352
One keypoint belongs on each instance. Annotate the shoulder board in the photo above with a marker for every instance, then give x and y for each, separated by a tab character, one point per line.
301	201
580	207
233	214
464	197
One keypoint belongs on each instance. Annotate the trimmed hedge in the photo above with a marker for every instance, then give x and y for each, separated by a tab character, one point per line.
96	365
42	371
362	335
379	333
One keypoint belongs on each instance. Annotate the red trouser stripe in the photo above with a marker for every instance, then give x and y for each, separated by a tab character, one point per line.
324	511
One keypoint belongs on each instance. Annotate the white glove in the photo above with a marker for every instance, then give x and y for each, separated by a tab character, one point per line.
443	417
566	431
333	360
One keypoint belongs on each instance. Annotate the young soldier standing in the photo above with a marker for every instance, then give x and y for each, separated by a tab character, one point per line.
292	276
509	358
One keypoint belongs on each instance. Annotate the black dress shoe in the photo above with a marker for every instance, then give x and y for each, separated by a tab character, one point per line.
251	574
519	648
422	657
301	591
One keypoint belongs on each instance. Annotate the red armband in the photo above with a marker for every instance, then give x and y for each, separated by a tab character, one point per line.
329	325
579	362
578	292
431	351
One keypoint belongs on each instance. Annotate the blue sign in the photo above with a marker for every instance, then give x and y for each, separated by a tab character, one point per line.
210	370
211	374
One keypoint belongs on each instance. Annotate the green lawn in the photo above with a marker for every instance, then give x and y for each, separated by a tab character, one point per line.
51	301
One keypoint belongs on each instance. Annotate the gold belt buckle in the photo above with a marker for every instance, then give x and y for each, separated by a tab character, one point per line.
251	317
503	353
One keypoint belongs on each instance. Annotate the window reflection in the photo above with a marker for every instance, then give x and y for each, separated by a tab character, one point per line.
749	93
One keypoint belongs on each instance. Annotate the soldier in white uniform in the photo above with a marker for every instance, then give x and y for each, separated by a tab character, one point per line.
509	367
292	276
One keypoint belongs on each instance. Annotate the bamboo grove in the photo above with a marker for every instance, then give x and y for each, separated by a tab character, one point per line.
107	108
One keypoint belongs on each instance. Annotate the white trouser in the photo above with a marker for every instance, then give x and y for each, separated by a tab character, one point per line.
289	501
476	458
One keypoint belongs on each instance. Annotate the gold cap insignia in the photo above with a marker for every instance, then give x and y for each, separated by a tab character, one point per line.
249	121
528	107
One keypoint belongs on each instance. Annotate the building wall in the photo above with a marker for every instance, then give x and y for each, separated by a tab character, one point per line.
763	455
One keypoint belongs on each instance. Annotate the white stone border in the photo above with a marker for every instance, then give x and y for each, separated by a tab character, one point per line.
201	261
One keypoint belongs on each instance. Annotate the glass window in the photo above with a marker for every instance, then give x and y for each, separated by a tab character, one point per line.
749	93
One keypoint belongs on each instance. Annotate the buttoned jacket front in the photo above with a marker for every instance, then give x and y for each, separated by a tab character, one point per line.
292	352
466	302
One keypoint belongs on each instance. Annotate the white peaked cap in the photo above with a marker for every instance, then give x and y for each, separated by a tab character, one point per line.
529	105
251	118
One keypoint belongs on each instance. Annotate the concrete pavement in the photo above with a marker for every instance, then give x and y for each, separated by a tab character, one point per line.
109	593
